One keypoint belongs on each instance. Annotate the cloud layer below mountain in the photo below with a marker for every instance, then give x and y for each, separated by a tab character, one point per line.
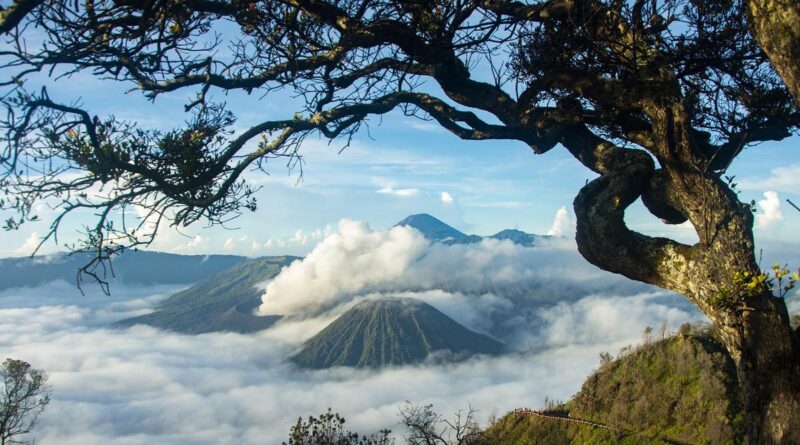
142	385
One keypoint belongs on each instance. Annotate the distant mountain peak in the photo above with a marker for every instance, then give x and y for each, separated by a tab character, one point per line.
391	332
222	302
431	227
436	230
518	237
509	232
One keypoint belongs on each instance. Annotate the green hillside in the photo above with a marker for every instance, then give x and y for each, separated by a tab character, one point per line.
391	331
223	302
681	390
522	429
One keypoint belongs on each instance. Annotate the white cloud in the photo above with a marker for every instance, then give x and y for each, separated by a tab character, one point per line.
446	198
399	192
322	233
29	245
230	244
785	179
422	125
563	223
142	386
356	261
196	244
769	212
346	261
299	238
605	318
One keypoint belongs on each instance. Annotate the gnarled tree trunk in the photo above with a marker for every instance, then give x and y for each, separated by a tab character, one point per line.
776	25
753	324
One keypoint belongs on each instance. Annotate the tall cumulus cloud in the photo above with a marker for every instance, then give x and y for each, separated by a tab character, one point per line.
142	385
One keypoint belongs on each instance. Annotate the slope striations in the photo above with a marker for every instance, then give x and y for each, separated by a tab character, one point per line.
223	302
391	331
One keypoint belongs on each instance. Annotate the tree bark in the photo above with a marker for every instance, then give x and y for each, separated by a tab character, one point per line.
769	372
776	25
753	324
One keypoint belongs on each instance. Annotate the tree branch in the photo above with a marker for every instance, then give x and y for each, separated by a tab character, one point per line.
12	16
602	235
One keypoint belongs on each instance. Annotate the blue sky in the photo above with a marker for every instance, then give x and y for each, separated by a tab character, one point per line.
399	167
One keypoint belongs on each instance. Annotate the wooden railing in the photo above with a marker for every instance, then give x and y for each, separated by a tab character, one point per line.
563	416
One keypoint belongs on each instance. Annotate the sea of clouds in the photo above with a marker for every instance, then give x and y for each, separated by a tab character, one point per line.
142	385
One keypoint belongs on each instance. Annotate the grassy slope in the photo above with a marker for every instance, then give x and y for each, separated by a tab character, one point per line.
388	332
223	302
522	429
681	389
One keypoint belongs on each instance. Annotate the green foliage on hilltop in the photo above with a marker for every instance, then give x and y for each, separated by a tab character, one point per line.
521	429
23	396
328	429
681	389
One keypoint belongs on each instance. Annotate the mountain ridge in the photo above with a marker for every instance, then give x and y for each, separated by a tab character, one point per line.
436	230
223	302
431	227
130	267
391	332
519	237
221	296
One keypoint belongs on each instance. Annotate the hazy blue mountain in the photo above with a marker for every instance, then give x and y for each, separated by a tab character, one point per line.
391	331
223	302
432	228
436	230
518	237
469	239
130	267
